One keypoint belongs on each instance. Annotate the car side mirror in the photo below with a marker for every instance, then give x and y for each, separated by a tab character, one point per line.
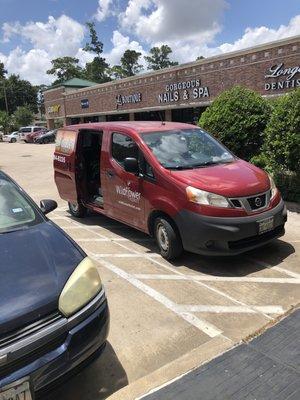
131	165
47	206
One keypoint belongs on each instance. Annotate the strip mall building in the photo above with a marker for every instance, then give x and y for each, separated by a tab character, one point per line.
179	93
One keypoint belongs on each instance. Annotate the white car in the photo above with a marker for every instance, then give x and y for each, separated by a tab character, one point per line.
25	130
12	137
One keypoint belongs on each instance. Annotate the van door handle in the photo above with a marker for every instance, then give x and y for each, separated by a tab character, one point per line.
110	174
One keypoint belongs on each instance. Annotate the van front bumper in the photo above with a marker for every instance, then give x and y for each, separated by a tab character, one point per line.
227	236
64	350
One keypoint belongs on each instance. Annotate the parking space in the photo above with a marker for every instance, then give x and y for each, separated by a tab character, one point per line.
166	317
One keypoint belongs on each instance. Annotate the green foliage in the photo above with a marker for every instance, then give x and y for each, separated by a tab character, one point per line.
238	117
19	92
117	72
65	68
282	139
23	116
5	122
159	58
3	71
95	70
289	184
130	63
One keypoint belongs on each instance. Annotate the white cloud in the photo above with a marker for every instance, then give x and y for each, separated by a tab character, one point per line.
165	20
55	38
103	10
259	35
120	44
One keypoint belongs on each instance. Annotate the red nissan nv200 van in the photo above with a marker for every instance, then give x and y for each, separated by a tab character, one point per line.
171	180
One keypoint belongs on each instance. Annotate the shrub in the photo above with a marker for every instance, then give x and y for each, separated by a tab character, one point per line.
23	116
282	138
238	117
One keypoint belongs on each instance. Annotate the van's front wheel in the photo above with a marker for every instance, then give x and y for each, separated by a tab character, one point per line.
77	210
168	239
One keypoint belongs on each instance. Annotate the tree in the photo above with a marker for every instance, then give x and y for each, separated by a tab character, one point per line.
117	72
65	68
3	71
95	70
130	63
19	92
4	122
23	116
200	58
238	117
282	139
159	58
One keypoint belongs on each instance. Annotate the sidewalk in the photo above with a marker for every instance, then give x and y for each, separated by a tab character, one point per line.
267	368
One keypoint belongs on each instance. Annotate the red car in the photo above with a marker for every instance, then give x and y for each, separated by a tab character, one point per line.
171	180
30	137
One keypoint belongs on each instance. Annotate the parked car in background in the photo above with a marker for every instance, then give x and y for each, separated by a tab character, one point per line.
47	137
30	138
11	137
54	313
26	130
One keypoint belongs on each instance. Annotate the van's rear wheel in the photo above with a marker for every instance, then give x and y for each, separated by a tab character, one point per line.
168	239
77	210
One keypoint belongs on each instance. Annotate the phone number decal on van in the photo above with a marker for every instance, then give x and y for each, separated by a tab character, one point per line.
60	158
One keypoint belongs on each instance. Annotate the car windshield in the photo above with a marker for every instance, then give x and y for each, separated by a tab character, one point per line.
16	212
186	148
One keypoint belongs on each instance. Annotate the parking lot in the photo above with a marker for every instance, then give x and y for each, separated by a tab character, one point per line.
166	318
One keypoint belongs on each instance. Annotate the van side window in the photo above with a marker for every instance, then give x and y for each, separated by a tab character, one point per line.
122	147
37	129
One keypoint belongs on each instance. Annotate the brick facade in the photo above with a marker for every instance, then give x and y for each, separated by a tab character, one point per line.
190	85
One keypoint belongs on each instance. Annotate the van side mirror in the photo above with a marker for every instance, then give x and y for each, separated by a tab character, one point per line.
131	165
47	206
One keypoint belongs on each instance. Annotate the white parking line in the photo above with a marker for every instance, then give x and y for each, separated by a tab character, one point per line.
202	325
275	267
210	278
231	309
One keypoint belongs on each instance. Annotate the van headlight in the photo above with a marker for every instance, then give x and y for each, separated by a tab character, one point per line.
82	286
272	187
206	198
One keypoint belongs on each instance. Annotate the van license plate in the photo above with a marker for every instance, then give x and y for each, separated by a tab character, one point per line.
265	225
16	391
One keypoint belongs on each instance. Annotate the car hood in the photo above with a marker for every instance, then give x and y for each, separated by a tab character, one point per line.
235	179
34	266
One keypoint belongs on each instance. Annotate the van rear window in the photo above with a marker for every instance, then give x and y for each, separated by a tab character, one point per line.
65	142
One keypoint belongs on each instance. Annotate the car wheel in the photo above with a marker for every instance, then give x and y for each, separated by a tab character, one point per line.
167	239
13	140
77	210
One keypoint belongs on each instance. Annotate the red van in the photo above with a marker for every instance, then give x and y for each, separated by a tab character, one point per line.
171	180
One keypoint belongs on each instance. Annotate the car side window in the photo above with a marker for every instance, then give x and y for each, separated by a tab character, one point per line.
36	129
122	147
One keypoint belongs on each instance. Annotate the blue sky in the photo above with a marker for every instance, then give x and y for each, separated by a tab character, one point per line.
35	31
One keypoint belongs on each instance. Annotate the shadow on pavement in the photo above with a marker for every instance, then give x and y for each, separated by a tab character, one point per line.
272	253
98	380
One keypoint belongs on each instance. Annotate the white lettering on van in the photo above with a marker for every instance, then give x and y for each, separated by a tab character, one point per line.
125	191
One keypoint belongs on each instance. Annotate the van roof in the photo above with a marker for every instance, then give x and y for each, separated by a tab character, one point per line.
139	126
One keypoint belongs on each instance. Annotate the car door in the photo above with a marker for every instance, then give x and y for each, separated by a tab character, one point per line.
65	165
124	189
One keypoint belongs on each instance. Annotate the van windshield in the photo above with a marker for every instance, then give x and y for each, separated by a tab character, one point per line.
15	210
186	148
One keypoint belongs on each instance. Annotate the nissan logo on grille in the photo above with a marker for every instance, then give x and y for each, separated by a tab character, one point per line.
257	201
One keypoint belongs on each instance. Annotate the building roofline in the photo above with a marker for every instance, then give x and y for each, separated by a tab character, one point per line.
217	57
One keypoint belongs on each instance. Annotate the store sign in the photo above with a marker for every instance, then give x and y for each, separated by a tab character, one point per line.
54	109
185	91
129	99
287	77
85	103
